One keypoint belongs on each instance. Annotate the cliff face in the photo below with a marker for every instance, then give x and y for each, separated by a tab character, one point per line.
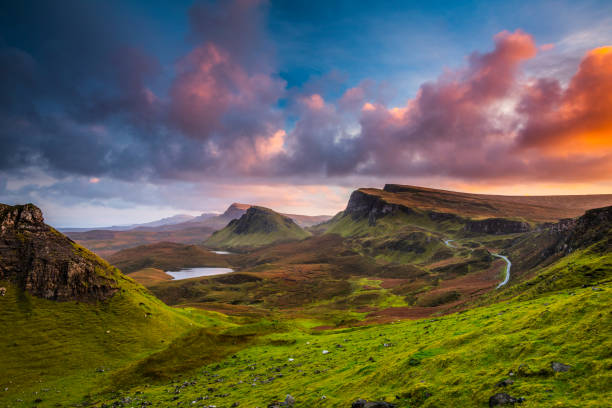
594	226
363	205
46	263
496	226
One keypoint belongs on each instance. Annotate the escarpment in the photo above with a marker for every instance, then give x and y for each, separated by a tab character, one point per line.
47	264
496	226
364	205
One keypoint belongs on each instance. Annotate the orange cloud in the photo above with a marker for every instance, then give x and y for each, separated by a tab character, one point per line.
577	120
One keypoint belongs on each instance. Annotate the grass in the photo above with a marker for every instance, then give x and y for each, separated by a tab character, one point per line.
59	346
455	360
150	276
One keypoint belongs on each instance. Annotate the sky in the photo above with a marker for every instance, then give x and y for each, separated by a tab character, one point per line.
120	112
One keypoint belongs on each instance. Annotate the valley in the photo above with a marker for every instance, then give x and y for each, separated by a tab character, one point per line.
410	296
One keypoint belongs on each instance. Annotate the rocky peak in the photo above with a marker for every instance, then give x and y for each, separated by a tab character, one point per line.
25	217
44	262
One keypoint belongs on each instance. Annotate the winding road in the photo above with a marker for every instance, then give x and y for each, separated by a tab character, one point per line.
447	242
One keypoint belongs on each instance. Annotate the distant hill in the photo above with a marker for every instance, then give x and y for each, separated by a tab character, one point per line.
259	226
236	210
175	219
306	221
106	241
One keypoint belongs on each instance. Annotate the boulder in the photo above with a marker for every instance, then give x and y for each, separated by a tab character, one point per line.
501	398
505	382
559	367
361	403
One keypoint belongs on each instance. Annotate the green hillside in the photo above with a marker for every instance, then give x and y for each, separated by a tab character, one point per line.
69	317
457	360
258	227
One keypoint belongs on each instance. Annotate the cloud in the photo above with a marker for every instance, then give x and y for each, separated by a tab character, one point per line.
574	120
78	102
486	121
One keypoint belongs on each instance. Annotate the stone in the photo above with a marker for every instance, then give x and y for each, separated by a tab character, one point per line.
289	400
505	382
501	398
559	367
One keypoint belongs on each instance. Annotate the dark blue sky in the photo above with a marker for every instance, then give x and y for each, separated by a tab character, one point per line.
110	110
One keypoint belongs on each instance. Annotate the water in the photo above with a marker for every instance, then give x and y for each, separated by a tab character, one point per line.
508	265
197	272
222	252
447	242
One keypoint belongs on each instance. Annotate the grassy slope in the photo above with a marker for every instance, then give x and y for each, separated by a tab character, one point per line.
454	360
264	227
150	276
53	346
166	256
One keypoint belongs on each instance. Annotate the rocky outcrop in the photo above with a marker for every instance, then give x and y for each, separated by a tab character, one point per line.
46	263
496	226
363	205
594	226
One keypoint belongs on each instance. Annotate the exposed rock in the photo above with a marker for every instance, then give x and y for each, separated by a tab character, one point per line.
592	227
496	226
46	263
363	205
502	398
440	217
361	403
505	382
559	367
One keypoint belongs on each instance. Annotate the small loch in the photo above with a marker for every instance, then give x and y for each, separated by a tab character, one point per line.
189	273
